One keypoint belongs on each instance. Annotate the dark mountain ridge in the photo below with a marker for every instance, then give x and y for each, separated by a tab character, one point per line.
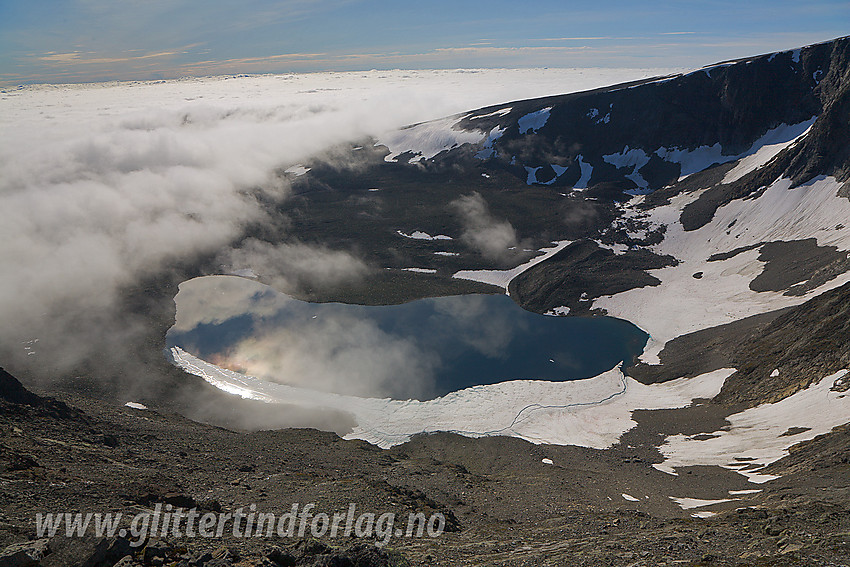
674	138
732	104
578	158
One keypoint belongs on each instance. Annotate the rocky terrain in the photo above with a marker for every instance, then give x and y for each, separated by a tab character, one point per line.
710	209
506	506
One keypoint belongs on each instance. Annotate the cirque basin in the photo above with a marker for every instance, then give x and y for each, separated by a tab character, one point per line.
417	350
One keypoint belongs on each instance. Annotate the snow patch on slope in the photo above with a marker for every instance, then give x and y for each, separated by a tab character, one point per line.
534	121
420	235
696	160
682	304
758	436
594	114
768	147
635	158
488	151
532	174
586	172
692	161
691	503
498	113
502	278
591	413
427	140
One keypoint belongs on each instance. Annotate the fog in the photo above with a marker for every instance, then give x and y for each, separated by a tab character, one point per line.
103	185
493	238
294	267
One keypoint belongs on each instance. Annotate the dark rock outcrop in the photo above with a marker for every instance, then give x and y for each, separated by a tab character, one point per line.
582	272
731	104
14	397
804	344
26	554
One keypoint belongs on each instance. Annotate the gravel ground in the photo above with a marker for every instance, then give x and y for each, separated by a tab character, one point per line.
503	504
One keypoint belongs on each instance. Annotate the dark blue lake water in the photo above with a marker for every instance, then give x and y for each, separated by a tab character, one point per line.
421	349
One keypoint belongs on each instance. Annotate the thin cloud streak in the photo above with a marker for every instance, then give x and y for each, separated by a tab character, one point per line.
148	40
88	58
601	37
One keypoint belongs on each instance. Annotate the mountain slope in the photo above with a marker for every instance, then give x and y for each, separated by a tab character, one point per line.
721	192
509	505
646	135
683	208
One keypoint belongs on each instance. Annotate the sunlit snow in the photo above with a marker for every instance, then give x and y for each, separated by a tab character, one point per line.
682	304
502	278
594	412
758	436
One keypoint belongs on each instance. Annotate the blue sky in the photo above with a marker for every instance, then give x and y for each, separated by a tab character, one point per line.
95	40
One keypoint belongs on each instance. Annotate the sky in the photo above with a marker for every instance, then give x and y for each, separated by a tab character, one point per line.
72	41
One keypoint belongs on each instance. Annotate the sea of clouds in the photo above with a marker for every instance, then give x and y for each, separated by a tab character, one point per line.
103	185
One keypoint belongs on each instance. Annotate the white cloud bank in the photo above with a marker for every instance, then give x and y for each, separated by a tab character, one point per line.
102	184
